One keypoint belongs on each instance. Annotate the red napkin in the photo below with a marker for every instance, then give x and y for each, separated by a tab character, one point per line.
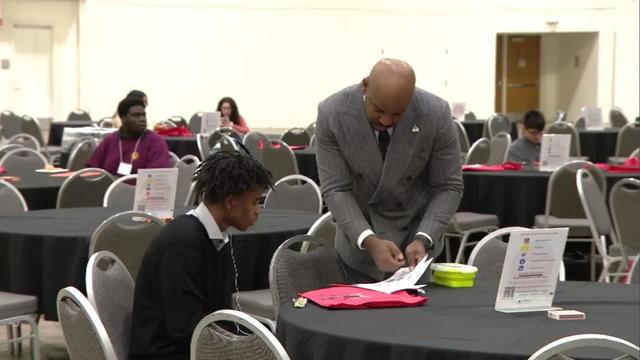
632	161
177	131
618	168
69	173
2	170
351	297
298	147
501	167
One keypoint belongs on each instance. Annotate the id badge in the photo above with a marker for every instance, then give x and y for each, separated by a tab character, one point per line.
124	169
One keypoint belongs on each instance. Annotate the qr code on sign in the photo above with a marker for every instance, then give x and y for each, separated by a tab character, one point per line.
509	291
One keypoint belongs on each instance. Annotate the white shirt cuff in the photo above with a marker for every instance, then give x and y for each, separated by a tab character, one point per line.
363	236
428	238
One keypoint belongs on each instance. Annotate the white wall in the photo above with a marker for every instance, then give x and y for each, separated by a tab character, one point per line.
62	16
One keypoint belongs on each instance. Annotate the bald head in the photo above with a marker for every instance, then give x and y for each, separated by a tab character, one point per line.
388	91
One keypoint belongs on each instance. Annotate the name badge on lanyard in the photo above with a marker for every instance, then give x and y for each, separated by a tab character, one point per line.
124	169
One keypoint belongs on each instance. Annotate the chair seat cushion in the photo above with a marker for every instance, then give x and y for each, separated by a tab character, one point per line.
464	221
256	302
577	227
16	304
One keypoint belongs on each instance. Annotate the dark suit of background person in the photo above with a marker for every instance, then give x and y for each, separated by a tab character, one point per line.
416	189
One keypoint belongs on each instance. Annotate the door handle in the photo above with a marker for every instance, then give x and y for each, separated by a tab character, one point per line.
521	85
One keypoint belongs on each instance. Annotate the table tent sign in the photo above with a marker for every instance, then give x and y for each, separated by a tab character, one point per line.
156	192
592	117
530	270
554	151
458	109
210	122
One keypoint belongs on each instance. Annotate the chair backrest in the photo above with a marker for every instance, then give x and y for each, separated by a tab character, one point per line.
624	204
498	123
121	192
195	122
110	290
580	123
561	115
479	152
186	167
212	341
25	140
323	229
79	114
279	159
203	145
554	349
84	333
563	127
469	115
218	135
498	149
173	159
191	200
463	138
634	273
86	188
295	192
628	139
255	142
23	159
311	129
32	127
11	199
296	136
81	152
617	118
562	194
292	272
4	149
489	253
127	235
178	121
10	123
595	209
105	122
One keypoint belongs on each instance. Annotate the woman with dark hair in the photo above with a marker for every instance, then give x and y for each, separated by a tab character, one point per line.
231	116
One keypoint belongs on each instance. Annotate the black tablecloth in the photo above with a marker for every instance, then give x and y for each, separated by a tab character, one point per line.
40	190
515	196
474	129
307	166
181	146
44	251
57	128
458	324
598	145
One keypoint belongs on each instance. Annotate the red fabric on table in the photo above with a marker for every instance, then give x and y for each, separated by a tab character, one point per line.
351	297
617	168
297	147
69	173
177	131
2	170
500	167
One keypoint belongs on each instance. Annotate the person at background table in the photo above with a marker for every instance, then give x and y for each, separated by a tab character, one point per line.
230	116
116	121
526	149
132	146
391	207
188	262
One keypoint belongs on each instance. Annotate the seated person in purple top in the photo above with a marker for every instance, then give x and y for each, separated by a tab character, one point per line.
131	147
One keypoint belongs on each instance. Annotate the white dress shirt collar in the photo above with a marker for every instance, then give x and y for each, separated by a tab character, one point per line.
218	237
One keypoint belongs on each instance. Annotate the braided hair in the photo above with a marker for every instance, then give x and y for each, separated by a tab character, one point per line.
229	173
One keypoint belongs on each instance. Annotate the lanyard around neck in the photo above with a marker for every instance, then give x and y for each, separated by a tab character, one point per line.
135	148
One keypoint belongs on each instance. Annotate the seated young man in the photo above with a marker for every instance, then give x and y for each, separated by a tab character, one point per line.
527	148
189	262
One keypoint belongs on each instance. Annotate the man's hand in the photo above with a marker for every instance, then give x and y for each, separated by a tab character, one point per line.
385	253
415	251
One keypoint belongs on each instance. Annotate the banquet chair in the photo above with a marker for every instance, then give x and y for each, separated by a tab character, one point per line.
26	141
203	146
4	149
489	254
462	226
295	192
628	139
463	138
10	123
322	229
633	276
479	152
79	115
191	201
595	209
312	142
561	116
311	129
218	135
617	118
23	160
12	200
105	122
32	127
495	124
186	167
195	122
469	115
178	121
173	159
16	309
624	205
498	149
110	290
81	153
121	193
566	128
84	334
86	188
292	272
580	123
167	124
557	348
211	341
279	159
127	235
255	142
296	136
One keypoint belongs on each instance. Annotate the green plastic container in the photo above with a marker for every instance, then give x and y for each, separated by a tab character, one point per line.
453	275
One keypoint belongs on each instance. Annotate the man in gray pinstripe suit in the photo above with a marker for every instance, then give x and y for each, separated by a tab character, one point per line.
390	170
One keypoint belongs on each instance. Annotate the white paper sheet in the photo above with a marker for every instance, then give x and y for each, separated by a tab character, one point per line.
402	279
210	122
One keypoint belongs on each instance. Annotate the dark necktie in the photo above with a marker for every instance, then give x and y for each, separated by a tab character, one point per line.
383	142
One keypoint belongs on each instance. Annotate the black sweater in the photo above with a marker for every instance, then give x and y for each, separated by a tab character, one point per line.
179	282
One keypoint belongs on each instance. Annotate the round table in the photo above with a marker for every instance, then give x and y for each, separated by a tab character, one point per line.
458	324
40	190
43	251
598	145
